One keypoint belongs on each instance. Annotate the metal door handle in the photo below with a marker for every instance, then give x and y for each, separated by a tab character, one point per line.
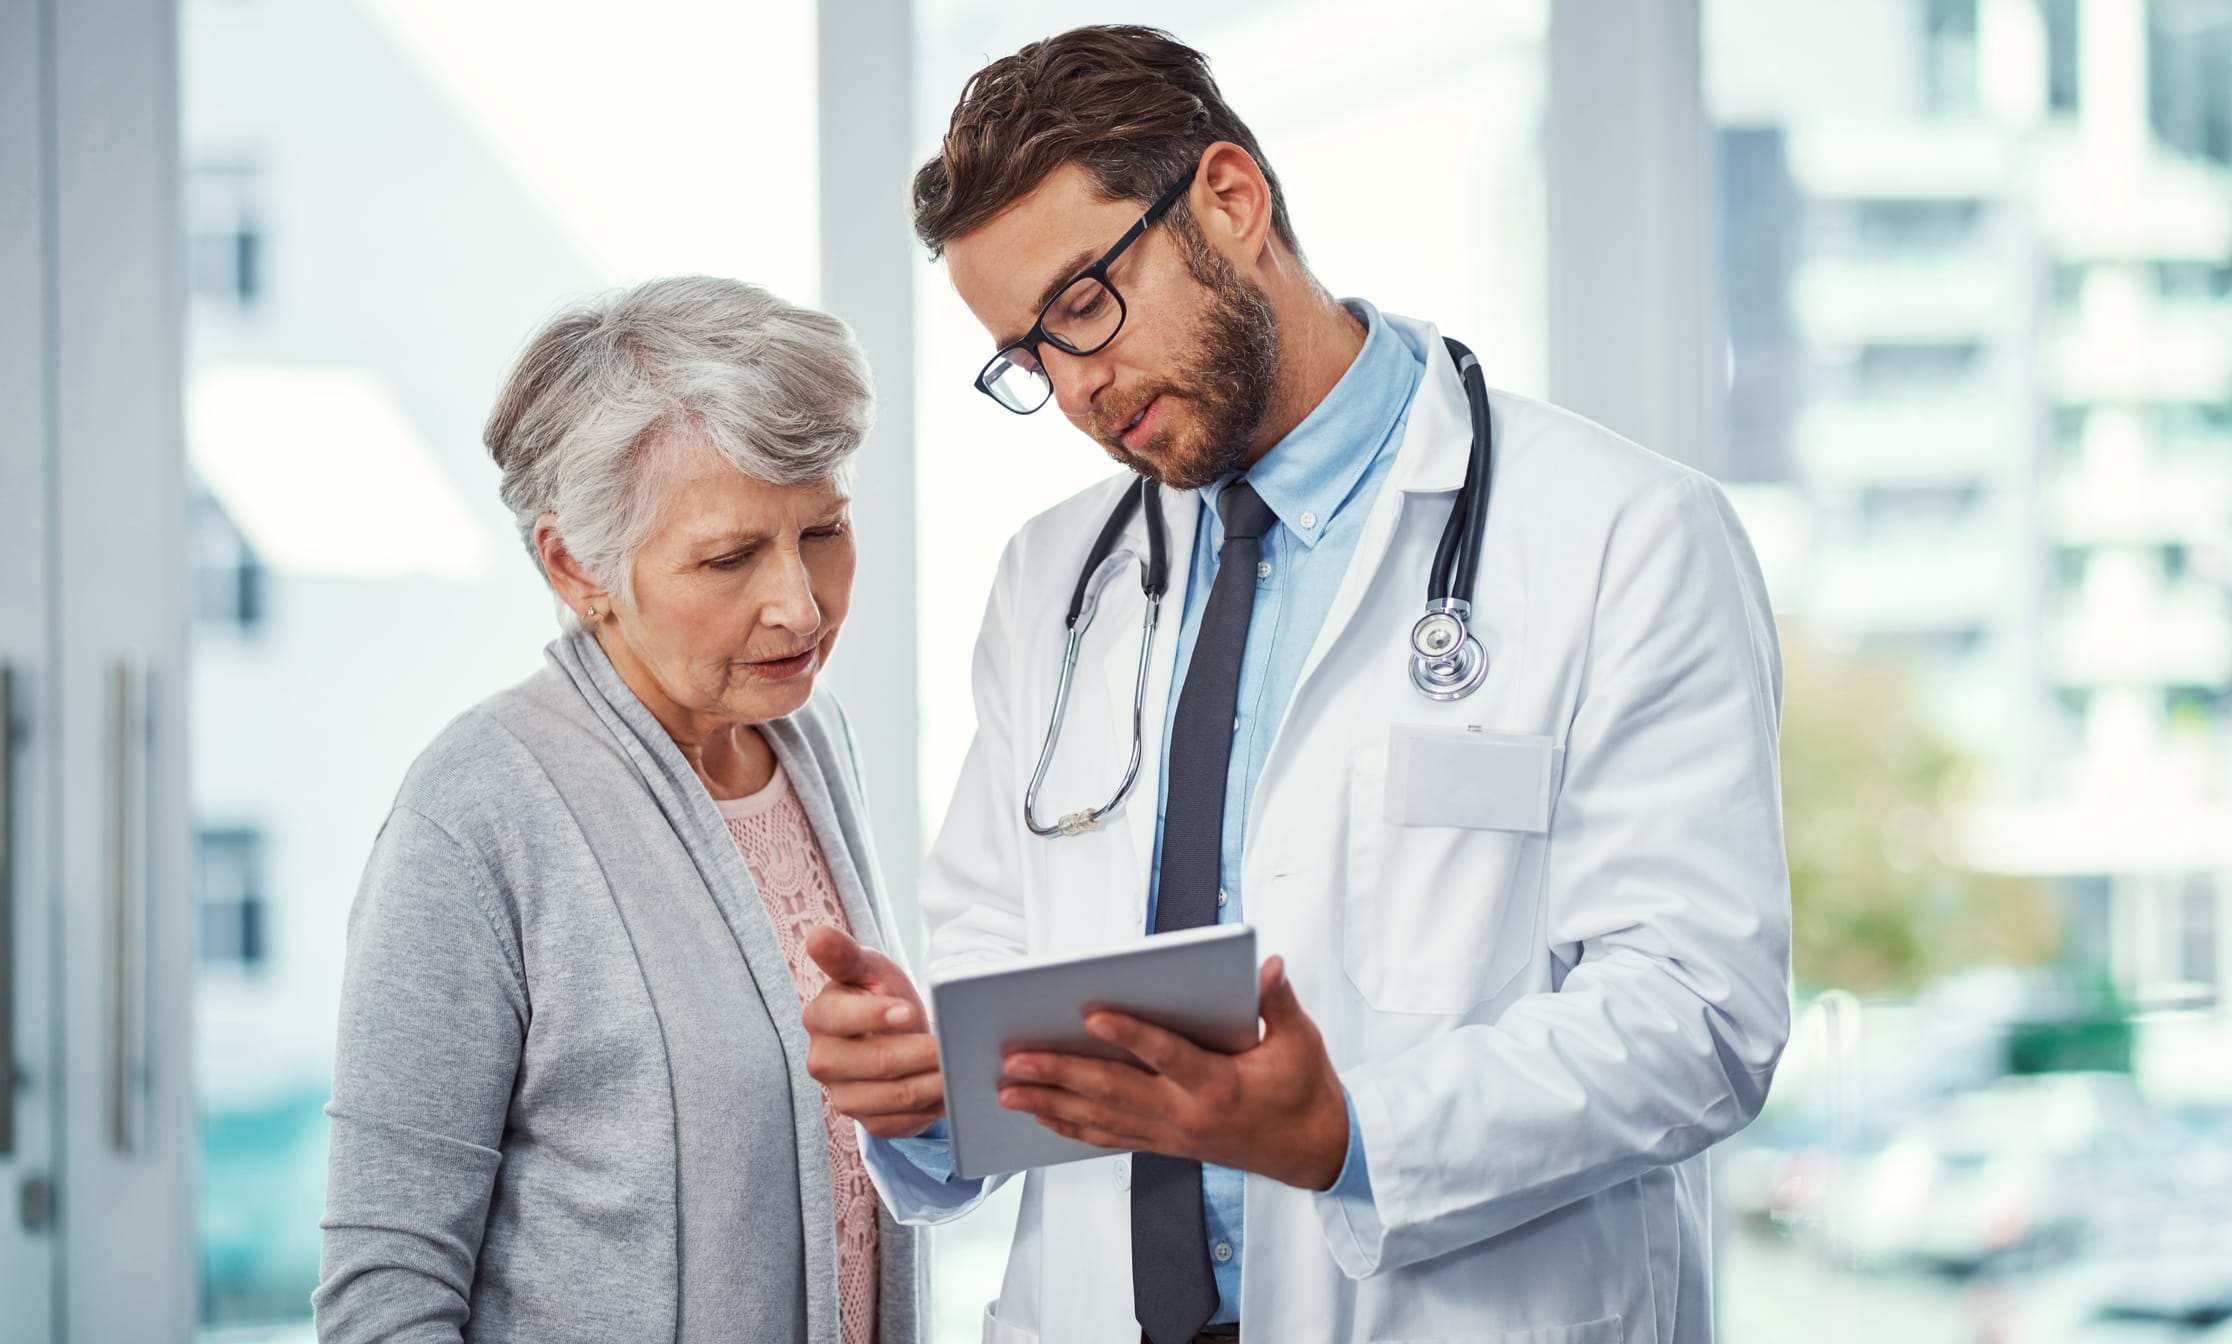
128	905
8	1080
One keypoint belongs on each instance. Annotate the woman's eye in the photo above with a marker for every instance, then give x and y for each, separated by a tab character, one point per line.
728	562
829	533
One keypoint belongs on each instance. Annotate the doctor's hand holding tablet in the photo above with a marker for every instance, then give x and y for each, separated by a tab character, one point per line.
1038	1039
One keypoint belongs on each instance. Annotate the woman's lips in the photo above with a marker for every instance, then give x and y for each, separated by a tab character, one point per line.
783	669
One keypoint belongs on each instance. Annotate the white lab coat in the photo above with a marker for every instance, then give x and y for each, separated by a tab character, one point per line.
1543	1028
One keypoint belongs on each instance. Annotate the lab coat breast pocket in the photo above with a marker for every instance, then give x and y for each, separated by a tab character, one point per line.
1446	832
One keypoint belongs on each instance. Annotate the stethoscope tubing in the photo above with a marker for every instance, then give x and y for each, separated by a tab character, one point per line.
1456	569
1076	823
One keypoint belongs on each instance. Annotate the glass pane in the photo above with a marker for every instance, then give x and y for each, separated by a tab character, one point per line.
2003	1114
383	200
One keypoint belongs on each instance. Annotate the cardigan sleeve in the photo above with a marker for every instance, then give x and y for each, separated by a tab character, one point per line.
434	1014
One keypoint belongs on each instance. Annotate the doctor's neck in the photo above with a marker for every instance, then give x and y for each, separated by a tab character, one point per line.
1318	340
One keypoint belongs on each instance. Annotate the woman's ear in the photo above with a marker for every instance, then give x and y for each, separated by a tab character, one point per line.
573	584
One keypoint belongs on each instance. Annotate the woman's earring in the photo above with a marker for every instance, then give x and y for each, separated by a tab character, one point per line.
592	615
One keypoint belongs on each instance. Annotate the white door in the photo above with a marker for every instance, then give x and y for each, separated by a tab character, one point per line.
27	1076
95	1122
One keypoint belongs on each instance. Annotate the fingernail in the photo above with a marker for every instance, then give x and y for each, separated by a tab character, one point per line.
1012	1100
897	1014
1022	1069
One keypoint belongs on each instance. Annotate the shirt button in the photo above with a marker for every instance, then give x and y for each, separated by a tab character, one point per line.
1263	569
1123	1173
1309	520
1223	1251
1224	898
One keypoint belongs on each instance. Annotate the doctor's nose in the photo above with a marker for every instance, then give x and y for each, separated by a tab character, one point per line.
1079	381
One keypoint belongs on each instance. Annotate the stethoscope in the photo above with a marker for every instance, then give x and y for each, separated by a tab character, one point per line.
1446	660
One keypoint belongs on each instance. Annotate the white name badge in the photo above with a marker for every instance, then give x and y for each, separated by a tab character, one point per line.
1471	778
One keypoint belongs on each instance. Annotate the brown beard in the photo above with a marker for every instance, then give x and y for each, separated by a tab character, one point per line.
1235	345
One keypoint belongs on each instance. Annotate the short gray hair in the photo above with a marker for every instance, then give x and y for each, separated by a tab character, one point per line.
779	392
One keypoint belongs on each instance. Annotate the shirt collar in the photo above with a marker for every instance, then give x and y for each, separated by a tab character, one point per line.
1310	474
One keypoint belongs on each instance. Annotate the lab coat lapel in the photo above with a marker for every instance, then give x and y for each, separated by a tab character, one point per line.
1437	444
1120	669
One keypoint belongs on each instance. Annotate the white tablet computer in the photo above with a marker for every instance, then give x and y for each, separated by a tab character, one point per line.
1200	983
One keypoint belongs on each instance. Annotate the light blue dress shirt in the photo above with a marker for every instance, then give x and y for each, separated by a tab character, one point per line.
1320	480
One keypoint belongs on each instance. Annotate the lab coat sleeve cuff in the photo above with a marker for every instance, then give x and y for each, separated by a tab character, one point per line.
1346	1212
915	1177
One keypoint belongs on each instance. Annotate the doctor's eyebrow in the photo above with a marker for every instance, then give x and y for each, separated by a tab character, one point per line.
1076	262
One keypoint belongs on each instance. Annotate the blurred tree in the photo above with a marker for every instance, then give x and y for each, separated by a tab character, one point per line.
1871	797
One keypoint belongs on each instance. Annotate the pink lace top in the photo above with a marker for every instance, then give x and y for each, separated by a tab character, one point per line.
794	883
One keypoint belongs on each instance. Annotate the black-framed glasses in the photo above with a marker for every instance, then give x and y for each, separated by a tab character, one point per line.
1080	320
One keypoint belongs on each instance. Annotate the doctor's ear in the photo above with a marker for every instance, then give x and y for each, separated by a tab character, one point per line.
1231	204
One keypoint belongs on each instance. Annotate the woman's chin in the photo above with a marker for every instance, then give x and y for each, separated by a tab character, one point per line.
764	696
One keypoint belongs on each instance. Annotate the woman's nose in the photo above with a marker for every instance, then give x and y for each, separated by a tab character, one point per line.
790	602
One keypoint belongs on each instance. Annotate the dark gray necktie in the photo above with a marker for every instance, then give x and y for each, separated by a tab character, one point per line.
1174	1288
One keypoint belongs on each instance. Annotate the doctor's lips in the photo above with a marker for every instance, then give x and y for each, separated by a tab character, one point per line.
1135	430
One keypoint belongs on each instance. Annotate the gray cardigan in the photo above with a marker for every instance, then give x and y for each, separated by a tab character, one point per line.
504	1161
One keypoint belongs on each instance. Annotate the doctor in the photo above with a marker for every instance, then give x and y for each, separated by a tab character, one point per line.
1530	931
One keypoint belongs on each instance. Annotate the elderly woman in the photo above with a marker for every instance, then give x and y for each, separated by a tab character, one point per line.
570	1098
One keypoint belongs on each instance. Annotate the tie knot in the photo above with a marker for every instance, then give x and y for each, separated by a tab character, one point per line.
1246	516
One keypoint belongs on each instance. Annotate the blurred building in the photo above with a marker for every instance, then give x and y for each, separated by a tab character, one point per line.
1980	295
2190	54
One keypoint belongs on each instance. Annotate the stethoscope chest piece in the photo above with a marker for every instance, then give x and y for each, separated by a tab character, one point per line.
1447	662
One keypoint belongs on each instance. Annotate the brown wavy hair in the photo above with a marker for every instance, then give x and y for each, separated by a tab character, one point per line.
1133	106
